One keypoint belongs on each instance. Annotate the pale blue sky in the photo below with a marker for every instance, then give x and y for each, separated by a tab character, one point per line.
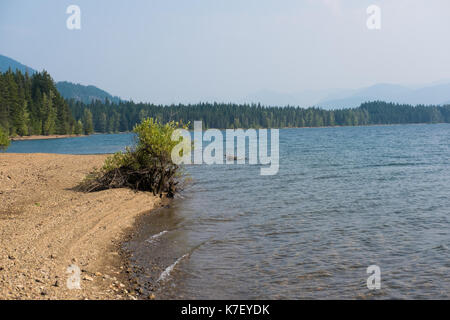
168	51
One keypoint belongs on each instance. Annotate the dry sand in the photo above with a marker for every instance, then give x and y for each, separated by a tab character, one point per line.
45	226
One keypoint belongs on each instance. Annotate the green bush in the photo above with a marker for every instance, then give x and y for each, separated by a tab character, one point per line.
147	166
4	140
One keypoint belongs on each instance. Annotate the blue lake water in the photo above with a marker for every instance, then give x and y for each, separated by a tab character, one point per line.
344	198
94	144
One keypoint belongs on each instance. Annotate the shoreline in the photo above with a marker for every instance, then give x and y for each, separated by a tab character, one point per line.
46	226
59	136
56	136
41	137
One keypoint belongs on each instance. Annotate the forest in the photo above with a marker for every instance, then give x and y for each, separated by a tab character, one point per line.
121	117
32	105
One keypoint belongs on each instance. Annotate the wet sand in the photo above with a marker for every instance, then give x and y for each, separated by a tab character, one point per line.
46	226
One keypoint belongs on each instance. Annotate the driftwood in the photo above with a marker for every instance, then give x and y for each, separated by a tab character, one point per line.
158	180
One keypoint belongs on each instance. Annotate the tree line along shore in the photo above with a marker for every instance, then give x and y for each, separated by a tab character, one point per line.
30	105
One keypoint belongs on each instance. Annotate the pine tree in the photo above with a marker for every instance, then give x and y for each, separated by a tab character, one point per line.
49	112
102	123
4	139
32	105
88	125
20	119
4	112
78	127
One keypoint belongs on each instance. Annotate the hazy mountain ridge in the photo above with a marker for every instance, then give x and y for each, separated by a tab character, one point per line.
436	93
68	90
85	94
306	98
8	63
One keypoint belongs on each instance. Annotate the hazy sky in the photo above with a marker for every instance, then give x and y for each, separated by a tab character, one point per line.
168	51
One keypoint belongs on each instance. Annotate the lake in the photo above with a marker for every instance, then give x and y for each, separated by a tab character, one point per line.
344	199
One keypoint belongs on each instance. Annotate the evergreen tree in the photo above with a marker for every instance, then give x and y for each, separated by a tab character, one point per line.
4	139
49	112
102	123
87	122
78	129
32	105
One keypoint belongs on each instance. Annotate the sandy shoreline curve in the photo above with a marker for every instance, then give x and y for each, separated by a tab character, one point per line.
46	226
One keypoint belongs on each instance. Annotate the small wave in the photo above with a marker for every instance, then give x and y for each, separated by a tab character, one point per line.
315	274
336	176
155	237
166	273
441	247
396	164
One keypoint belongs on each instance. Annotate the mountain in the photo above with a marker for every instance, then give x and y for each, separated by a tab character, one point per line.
354	98
437	94
82	93
6	63
68	90
304	98
271	98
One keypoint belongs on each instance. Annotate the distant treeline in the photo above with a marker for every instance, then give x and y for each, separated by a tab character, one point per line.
31	105
108	117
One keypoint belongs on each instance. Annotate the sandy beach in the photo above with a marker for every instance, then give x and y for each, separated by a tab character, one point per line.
46	226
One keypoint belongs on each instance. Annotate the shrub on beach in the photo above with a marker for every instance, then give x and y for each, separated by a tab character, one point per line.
147	166
4	140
